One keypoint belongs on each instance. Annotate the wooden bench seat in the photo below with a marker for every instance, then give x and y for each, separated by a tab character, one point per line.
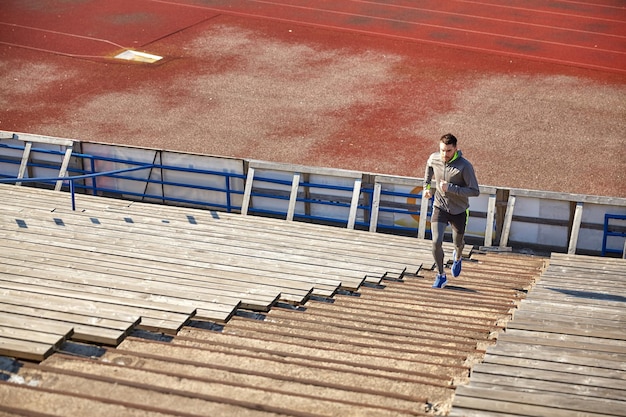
114	265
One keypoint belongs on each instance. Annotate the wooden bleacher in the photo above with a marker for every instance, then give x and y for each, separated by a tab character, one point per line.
317	329
112	266
563	353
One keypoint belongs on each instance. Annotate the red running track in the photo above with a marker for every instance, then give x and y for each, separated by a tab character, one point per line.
565	32
92	29
576	33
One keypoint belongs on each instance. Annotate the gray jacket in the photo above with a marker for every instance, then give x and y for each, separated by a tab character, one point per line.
462	182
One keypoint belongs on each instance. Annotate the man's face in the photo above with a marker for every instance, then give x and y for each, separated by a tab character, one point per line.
446	151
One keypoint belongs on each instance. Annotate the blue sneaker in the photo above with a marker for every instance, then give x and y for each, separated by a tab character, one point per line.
440	281
456	265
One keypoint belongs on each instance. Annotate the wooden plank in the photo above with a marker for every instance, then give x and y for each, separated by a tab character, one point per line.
321	244
240	234
150	250
533	404
232	263
536	309
597	299
278	225
74	313
550	195
569	328
185	277
146	310
233	248
491	213
554	402
28	137
148	289
24	163
153	251
82	332
31	197
375	206
26	350
7	318
563	353
354	204
421	231
63	169
573	355
508	220
565	341
214	272
516	383
293	196
573	239
247	193
87	327
550	370
319	237
16	332
593	262
304	169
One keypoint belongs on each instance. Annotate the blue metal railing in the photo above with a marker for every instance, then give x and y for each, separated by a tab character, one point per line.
88	180
403	210
71	180
607	232
317	201
93	186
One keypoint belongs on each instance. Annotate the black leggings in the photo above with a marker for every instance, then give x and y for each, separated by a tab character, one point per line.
439	221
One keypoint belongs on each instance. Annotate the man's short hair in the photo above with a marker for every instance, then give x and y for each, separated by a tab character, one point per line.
449	139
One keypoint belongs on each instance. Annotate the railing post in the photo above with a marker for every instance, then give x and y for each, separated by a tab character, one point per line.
375	207
573	239
421	229
73	195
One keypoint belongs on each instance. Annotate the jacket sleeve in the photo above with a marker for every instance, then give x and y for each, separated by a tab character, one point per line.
471	189
428	174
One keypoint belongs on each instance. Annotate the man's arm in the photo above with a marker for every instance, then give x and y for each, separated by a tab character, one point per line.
471	189
428	175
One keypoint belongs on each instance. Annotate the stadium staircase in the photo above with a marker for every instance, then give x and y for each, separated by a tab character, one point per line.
135	309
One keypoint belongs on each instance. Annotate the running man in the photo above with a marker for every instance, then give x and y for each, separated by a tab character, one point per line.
455	182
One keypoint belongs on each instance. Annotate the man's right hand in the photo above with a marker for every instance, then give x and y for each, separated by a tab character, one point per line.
427	194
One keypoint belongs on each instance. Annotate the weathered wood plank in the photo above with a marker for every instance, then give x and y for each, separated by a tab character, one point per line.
563	353
149	256
551	325
7	331
484	379
529	367
36	305
32	351
174	320
169	246
386	242
296	292
562	340
239	244
82	332
572	355
137	288
534	404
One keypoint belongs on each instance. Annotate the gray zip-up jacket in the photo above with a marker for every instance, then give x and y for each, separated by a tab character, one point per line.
462	182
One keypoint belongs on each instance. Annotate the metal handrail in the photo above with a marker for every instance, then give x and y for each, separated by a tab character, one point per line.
74	178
